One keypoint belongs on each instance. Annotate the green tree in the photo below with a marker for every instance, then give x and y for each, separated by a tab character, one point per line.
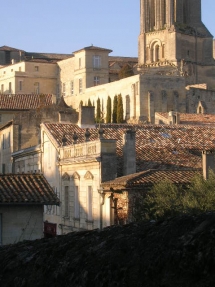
89	103
125	71
119	109
108	115
201	195
98	111
166	199
163	200
114	115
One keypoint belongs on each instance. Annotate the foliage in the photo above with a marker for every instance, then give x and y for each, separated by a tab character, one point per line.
98	111
108	115
119	109
126	71
89	103
166	199
114	115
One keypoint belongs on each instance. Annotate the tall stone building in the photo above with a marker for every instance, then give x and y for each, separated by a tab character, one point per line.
172	33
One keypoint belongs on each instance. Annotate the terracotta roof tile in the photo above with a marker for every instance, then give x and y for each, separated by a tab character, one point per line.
193	119
149	177
24	101
156	146
26	189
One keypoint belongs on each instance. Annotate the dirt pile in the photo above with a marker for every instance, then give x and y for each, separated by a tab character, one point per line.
176	252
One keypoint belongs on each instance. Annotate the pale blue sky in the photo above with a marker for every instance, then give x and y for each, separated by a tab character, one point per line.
64	26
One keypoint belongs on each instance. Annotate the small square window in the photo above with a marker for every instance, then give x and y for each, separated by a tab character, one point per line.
96	81
36	68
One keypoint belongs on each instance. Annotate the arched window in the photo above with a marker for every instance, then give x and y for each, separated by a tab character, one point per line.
157	50
163	51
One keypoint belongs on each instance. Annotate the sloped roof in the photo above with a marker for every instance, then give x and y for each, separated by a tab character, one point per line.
26	189
7	48
149	177
193	119
156	145
94	48
24	101
46	56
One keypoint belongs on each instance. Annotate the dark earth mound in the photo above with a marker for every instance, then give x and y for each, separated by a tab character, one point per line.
176	252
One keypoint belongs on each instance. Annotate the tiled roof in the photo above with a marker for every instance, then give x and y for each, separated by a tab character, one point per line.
156	145
26	189
7	48
123	59
24	101
46	56
149	177
194	119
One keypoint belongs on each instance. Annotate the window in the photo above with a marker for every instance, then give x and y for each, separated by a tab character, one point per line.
72	87
20	69
64	89
96	62
36	68
36	88
79	62
2	88
10	88
90	203
3	142
96	81
3	168
66	201
20	85
80	86
4	72
77	203
9	139
11	70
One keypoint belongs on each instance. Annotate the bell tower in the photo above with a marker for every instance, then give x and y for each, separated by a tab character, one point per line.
172	31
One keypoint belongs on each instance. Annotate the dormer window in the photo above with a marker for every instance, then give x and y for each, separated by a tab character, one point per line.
96	62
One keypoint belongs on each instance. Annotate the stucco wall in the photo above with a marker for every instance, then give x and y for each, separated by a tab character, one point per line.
21	223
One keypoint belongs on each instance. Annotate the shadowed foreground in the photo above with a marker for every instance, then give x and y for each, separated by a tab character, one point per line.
175	252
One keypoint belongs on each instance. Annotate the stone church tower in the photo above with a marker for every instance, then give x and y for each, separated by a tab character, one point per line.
172	33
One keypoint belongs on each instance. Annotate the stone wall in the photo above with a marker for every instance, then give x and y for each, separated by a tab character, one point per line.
194	96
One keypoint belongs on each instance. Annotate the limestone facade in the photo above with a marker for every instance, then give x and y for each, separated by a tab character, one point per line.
175	51
172	30
28	78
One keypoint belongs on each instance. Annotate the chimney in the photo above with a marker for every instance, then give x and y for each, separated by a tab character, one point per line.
207	163
173	118
86	117
129	152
